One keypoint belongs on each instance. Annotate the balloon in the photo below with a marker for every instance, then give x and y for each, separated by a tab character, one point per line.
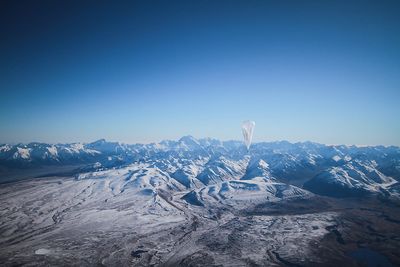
248	129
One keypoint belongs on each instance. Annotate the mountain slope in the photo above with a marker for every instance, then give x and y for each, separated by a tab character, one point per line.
194	163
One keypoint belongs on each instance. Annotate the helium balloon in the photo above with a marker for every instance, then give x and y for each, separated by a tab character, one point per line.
248	129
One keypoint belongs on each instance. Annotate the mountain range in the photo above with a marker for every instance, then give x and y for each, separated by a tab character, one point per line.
199	202
332	170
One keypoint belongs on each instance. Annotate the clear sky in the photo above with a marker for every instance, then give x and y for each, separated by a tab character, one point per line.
324	71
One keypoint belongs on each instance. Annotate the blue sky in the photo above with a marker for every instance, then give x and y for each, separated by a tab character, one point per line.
325	71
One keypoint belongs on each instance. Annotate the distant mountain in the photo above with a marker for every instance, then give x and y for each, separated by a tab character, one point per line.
197	164
354	178
196	202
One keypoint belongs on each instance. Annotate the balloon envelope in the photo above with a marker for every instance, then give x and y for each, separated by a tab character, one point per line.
248	129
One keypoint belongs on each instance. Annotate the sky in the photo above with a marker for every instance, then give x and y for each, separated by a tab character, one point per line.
144	71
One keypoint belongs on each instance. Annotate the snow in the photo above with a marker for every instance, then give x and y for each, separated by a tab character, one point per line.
42	251
23	153
107	209
241	193
355	175
76	147
5	148
194	163
176	198
53	151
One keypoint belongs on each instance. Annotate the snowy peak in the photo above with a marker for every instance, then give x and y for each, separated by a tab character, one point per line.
189	140
22	153
257	168
355	178
107	147
192	163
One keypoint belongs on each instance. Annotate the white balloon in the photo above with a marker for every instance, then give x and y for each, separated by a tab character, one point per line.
248	129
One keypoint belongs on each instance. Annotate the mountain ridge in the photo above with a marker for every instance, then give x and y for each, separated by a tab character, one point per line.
194	163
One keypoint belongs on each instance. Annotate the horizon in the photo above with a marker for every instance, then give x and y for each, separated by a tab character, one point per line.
140	72
198	139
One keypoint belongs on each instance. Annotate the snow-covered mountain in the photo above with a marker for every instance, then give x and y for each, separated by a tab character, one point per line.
242	193
191	163
354	178
196	202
